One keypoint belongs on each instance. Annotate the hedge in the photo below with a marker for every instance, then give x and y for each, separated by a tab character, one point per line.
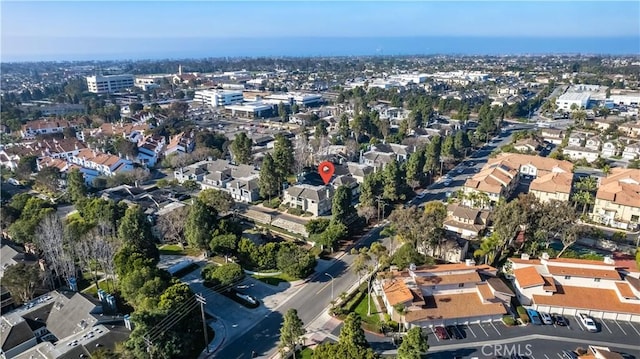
522	313
508	320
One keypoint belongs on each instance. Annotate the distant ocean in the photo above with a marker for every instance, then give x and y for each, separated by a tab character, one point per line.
174	48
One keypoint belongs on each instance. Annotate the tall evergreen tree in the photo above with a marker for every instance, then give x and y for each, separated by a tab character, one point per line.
283	157
415	166
352	332
342	210
76	186
414	345
135	230
392	181
241	148
291	331
269	180
200	224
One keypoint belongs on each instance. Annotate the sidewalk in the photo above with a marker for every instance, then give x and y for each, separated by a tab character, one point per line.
220	335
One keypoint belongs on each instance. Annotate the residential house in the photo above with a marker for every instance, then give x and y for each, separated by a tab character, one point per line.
527	145
552	186
47	126
593	143
359	171
577	139
552	135
94	164
495	180
631	152
466	221
350	182
617	201
150	150
570	286
532	165
133	132
181	143
603	124
581	153
631	129
442	294
379	155
610	149
46	148
452	249
313	199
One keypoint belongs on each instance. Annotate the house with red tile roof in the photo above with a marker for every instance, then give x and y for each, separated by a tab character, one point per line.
617	201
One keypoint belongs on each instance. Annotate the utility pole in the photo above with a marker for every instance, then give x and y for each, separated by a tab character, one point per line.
149	345
202	300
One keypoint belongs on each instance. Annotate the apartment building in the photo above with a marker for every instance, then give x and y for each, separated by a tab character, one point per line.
466	221
94	164
496	180
442	294
381	154
181	143
45	126
571	286
217	98
110	83
617	202
316	200
552	186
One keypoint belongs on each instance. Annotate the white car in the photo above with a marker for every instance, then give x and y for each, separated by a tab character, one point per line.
589	324
546	318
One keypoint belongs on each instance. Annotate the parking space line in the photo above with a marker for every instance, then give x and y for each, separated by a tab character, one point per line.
434	334
546	356
606	326
559	356
634	328
472	332
496	329
620	326
579	324
532	357
481	327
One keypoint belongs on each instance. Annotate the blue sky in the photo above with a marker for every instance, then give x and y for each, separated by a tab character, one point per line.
29	26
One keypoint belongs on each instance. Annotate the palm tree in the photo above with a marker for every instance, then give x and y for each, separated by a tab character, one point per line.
589	184
488	249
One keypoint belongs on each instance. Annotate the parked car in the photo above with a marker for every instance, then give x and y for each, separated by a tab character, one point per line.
546	318
454	332
447	181
588	322
534	317
560	320
441	333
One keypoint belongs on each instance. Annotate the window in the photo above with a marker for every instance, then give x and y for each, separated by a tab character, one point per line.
460	285
567	277
596	279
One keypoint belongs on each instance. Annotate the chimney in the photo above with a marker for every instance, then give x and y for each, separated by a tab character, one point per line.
524	256
545	256
469	262
609	260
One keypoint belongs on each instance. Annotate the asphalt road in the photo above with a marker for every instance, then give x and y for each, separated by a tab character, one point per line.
309	302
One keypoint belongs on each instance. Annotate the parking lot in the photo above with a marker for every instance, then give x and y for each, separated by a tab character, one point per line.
621	335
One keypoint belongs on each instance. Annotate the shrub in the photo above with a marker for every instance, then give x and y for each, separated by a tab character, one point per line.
508	320
522	313
274	203
295	211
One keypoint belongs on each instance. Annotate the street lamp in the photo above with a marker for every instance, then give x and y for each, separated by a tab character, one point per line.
327	274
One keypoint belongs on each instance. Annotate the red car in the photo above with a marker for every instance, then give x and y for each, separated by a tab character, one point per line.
441	333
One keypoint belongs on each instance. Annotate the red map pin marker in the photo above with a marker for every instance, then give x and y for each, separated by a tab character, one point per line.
326	170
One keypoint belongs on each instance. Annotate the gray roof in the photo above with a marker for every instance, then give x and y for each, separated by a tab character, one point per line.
14	333
72	314
359	170
315	193
344	180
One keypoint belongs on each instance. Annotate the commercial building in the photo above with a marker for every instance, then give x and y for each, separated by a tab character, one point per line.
444	294
252	110
217	98
109	83
568	99
572	286
300	99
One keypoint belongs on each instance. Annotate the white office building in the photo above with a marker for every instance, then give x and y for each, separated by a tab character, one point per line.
217	98
566	100
109	83
300	99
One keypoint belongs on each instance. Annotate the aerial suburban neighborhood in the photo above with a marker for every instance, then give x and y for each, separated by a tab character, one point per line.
175	208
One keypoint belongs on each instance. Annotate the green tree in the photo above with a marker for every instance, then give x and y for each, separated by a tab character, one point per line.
342	210
291	331
283	157
448	148
224	244
76	186
392	181
282	111
241	148
295	261
343	127
352	332
201	222
269	180
432	155
414	345
317	225
135	230
223	275
415	166
221	201
330	237
26	166
48	178
21	280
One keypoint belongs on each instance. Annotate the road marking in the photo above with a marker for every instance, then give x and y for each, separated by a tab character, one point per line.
634	328
494	327
559	356
472	332
620	326
481	327
546	356
579	324
323	287
434	334
606	326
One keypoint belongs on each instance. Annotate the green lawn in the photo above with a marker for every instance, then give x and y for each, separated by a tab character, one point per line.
275	279
306	353
361	309
176	250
